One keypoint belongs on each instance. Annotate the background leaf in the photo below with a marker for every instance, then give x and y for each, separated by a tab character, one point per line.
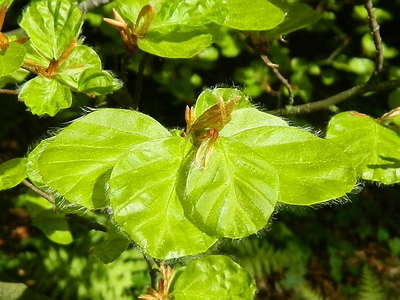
85	152
372	147
297	16
145	200
45	96
214	277
12	172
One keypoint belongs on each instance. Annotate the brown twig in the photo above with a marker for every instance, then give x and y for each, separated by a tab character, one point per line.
8	92
48	197
374	26
283	80
359	90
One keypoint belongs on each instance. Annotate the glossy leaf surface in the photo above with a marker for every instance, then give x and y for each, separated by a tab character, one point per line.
311	170
372	147
11	59
45	96
184	28
51	25
145	201
234	195
12	172
214	277
85	152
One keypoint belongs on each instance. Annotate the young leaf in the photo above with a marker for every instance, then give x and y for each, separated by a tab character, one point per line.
234	195
297	16
371	146
144	198
53	224
93	83
214	277
311	170
78	163
52	25
254	15
12	172
11	58
45	96
110	249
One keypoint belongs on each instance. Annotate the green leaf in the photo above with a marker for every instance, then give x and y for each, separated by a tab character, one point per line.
32	165
80	59
12	172
175	44
53	224
371	146
145	201
85	152
52	25
208	98
297	16
93	83
234	195
45	96
311	170
11	59
254	15
109	250
18	291
214	277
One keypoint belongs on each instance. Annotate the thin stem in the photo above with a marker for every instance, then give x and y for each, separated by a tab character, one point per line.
274	68
139	83
154	270
38	191
374	26
8	92
356	91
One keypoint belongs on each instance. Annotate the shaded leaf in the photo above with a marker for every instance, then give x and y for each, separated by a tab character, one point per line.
12	173
214	277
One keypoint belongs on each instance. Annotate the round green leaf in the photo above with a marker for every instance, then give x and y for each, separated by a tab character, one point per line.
51	25
145	200
80	59
311	170
12	172
93	82
373	147
54	226
257	15
11	59
78	163
214	277
45	96
208	98
175	44
234	195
